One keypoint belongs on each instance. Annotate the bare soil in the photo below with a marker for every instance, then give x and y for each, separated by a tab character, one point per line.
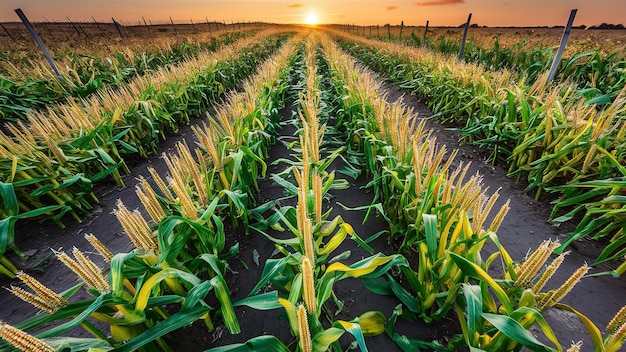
524	228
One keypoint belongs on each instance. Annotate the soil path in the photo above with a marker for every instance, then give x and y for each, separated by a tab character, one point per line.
523	229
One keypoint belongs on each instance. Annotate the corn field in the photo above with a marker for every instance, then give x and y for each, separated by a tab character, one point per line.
314	93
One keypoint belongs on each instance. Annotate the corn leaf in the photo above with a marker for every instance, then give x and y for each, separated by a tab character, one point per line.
473	270
355	330
592	329
322	340
174	322
265	343
512	329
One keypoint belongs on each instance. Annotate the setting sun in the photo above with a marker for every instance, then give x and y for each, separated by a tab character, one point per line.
311	18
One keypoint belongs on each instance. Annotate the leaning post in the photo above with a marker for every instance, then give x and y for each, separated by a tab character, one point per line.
559	52
173	26
73	25
146	24
7	32
33	34
117	26
207	23
467	24
97	24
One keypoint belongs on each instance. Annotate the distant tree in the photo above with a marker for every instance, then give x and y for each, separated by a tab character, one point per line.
607	26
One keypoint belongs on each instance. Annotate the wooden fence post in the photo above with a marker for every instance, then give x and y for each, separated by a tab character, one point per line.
73	25
7	32
117	26
401	27
426	29
45	24
33	34
467	24
173	26
559	52
207	23
146	24
97	24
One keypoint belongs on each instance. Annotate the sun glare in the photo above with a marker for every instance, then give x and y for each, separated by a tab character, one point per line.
311	18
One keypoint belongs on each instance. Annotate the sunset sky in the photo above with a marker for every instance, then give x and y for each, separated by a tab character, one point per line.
362	12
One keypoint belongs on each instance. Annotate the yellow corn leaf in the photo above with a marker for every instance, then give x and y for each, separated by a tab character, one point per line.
154	280
336	240
361	268
292	315
372	323
116	116
13	168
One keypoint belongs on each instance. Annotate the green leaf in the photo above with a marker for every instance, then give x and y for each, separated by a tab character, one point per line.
76	344
414	345
475	271
223	296
263	301
265	343
430	229
271	269
515	331
76	321
174	322
355	330
473	309
323	339
9	199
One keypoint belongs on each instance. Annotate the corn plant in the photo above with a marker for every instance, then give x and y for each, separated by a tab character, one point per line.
502	325
183	240
596	70
555	135
86	74
305	274
63	153
413	184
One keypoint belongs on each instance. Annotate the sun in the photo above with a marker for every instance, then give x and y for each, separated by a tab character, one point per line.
311	19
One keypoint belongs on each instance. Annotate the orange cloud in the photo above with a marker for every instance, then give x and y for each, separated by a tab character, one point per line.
389	8
295	6
439	2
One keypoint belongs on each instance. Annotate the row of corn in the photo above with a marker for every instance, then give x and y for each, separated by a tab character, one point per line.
36	86
179	254
437	211
49	163
202	187
597	71
563	142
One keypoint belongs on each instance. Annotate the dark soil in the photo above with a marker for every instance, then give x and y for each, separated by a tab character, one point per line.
523	229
